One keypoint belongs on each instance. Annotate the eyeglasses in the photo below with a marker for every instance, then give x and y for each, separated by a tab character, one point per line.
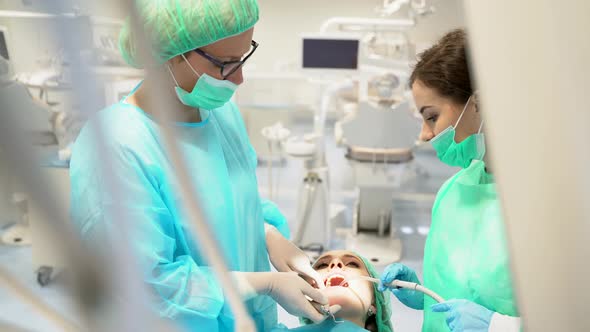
228	67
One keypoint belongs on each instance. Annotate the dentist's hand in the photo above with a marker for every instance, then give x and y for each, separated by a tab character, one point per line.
287	257
289	290
465	316
411	298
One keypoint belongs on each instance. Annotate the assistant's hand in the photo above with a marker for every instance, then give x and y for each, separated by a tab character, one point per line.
287	257
397	271
465	316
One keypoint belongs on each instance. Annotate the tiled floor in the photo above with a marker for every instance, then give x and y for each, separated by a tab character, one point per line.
15	312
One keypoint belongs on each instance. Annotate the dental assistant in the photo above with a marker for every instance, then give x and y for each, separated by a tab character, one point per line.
203	45
465	258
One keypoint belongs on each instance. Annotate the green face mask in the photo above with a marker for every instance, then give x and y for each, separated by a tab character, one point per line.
208	93
459	154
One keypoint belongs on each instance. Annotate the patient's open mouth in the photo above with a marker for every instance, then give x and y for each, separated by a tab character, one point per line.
335	280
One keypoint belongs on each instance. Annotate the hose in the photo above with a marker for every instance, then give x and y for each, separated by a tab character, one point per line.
310	188
406	285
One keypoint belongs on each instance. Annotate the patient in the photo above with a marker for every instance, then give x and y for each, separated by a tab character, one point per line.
364	308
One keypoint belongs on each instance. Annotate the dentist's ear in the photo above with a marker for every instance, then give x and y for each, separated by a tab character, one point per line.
475	99
176	60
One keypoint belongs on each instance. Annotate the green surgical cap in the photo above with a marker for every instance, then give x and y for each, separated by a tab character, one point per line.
382	302
178	26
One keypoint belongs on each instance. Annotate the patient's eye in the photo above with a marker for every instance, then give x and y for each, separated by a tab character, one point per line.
321	266
353	264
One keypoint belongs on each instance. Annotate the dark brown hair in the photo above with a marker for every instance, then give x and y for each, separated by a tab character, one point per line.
444	68
371	324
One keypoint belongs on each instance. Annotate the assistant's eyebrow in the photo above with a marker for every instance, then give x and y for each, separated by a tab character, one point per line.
423	108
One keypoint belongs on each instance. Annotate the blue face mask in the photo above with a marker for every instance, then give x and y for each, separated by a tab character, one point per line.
208	93
459	154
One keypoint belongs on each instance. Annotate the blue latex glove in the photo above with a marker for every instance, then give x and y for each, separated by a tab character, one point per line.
397	271
465	316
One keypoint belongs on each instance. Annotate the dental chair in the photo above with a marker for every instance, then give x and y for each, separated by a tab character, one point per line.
379	140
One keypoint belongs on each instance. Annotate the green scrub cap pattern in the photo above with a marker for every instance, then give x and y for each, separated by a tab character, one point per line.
178	26
382	302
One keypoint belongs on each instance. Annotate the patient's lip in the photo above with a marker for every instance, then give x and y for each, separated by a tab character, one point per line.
336	279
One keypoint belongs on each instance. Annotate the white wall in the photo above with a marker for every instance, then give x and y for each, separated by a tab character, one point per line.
7	210
29	39
281	24
108	8
283	21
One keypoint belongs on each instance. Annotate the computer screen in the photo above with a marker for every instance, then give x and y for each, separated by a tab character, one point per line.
330	53
3	46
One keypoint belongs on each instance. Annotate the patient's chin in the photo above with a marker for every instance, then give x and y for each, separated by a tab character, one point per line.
341	296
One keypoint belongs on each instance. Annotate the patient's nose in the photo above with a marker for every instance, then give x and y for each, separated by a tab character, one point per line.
336	263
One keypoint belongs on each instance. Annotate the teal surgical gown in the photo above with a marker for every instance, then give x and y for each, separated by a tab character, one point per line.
222	163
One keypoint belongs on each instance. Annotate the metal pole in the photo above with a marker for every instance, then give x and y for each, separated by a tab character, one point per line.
93	277
191	199
531	63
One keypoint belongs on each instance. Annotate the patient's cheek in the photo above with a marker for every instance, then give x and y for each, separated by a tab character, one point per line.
341	296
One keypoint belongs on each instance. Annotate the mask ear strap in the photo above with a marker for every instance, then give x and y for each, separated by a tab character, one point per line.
189	64
171	73
463	112
480	127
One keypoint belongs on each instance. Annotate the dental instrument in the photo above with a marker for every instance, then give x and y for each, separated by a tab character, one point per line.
407	285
